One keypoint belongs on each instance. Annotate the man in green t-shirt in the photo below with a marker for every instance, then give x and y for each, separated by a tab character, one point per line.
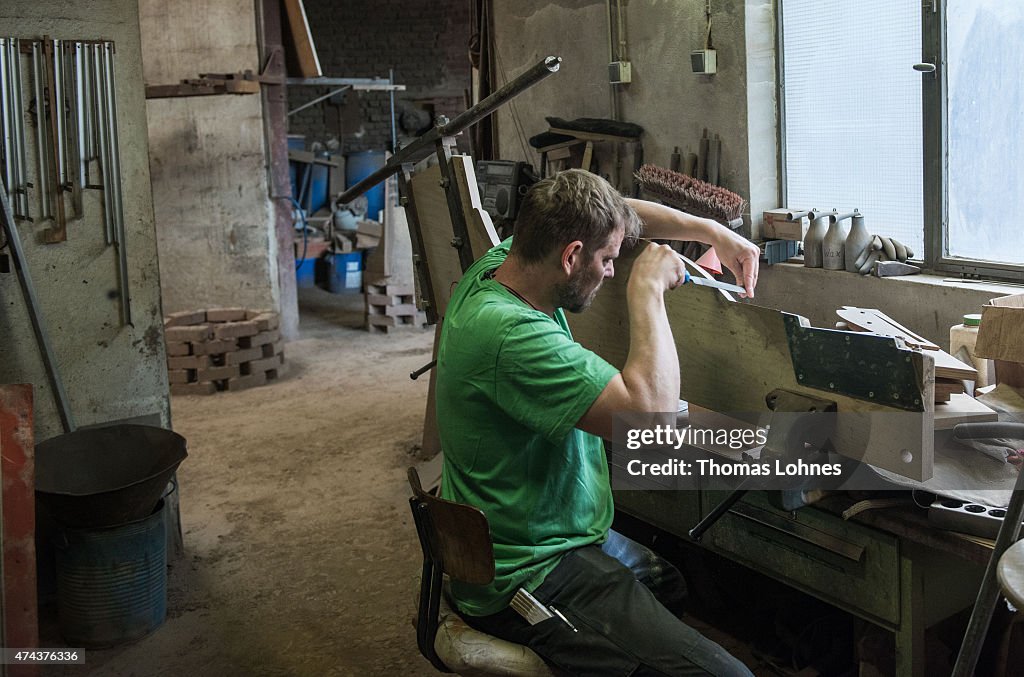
522	409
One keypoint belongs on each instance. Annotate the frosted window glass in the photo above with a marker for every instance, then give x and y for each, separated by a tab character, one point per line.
986	118
853	135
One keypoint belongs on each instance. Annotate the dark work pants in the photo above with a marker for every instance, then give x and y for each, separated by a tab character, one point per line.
611	595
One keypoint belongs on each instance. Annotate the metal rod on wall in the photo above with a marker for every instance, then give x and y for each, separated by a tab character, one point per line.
114	186
18	120
76	150
102	147
42	183
6	118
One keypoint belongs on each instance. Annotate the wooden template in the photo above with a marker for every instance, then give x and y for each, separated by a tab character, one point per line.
877	322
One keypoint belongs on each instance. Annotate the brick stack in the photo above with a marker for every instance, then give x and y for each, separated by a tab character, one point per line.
222	349
392	306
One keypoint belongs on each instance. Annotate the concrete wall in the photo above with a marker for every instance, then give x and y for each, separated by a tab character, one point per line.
111	372
674	106
214	216
923	303
426	44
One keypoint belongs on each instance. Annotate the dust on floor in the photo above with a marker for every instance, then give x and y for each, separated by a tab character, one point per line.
300	554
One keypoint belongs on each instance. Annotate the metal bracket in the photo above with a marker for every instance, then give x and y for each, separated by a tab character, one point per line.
867	367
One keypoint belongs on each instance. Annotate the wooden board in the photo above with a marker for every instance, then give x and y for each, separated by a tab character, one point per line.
19	614
962	408
435	224
302	39
482	235
731	355
391	261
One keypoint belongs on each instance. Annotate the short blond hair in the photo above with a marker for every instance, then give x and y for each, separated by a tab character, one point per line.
571	205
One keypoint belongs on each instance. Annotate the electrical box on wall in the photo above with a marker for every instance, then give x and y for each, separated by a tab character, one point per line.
620	72
704	61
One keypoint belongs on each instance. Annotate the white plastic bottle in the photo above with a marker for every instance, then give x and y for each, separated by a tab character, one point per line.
962	338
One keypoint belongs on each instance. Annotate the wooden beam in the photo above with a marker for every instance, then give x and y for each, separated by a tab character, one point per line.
302	39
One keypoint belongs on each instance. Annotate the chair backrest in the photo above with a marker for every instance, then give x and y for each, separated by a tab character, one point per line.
458	538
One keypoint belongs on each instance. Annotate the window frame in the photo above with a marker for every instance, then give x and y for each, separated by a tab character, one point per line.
935	149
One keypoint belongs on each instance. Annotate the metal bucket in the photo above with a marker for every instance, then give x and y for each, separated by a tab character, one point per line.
97	477
112	582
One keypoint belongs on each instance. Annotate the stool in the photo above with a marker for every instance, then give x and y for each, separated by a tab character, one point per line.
1004	567
456	541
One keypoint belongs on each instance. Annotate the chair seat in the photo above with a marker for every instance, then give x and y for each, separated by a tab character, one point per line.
467	651
1010	572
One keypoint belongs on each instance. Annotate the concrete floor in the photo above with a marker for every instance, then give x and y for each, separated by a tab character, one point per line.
300	555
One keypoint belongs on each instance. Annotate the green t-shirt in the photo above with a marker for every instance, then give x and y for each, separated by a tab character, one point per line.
511	385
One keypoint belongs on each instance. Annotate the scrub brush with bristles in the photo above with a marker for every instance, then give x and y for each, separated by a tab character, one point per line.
692	195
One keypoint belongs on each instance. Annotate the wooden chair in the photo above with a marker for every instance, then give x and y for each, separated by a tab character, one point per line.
456	541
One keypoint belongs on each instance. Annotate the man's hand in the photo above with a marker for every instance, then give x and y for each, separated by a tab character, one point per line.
657	269
739	255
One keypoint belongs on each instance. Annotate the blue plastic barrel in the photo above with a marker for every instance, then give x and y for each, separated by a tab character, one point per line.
112	582
357	167
305	273
316	196
346	276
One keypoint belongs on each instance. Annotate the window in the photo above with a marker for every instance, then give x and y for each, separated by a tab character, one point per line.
933	158
985	104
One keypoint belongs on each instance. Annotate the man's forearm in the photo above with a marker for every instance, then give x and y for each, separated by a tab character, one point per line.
666	223
651	371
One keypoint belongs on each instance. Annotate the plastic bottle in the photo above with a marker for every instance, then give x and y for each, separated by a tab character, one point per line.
962	338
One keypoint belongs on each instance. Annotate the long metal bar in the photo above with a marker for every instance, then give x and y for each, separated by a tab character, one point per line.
89	104
318	99
42	183
420	263
78	161
102	147
34	313
59	231
115	180
357	83
57	111
18	119
425	145
461	240
6	119
391	96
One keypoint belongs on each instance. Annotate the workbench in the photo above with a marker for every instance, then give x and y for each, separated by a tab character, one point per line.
889	566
